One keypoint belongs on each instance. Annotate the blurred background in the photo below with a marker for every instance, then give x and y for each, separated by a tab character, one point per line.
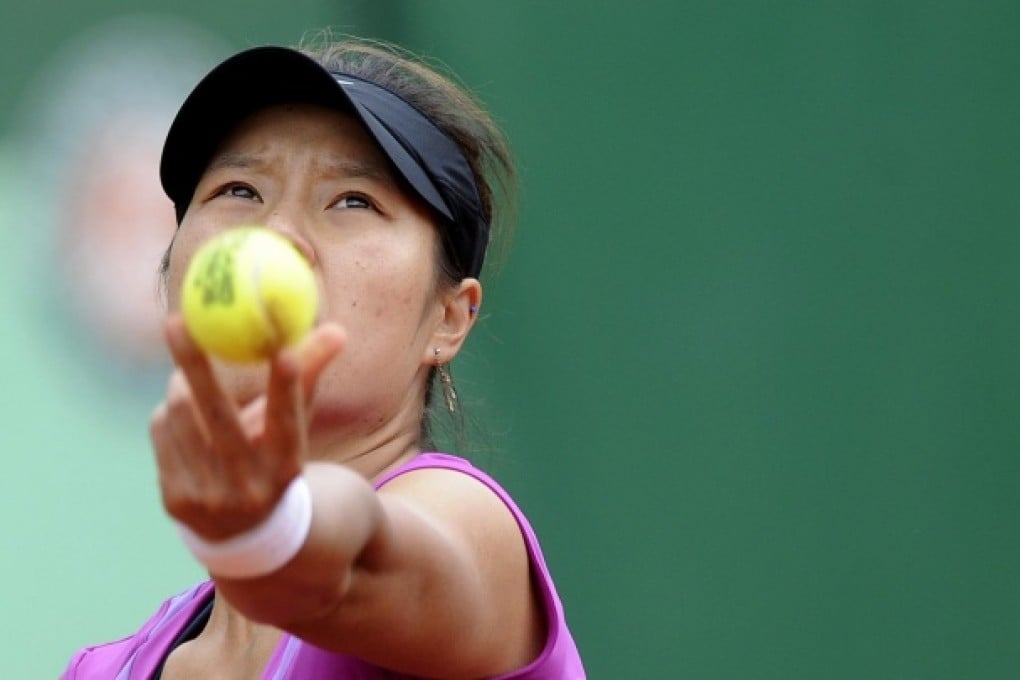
752	366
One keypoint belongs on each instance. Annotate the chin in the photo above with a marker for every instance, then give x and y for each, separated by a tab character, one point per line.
244	382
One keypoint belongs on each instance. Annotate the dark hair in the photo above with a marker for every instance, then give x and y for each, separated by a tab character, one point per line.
460	116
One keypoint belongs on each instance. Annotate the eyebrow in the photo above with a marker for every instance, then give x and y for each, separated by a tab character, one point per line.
237	161
356	169
334	165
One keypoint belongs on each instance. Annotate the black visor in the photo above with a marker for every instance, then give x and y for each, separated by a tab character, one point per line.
429	161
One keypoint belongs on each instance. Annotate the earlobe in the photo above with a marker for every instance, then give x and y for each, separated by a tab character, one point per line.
460	310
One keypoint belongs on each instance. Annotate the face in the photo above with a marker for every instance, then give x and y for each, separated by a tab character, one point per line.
315	176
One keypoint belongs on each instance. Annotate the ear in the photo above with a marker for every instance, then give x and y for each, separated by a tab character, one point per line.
459	310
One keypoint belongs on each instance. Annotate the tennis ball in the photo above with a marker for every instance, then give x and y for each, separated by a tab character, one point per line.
248	292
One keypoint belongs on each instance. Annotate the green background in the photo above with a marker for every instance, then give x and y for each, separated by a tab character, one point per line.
751	368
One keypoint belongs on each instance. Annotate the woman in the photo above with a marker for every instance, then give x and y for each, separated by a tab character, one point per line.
336	547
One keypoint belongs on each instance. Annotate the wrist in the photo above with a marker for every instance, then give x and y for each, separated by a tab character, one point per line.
264	548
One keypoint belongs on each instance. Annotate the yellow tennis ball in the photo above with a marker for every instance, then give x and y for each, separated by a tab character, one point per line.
248	292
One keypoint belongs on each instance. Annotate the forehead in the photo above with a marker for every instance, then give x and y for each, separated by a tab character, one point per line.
329	136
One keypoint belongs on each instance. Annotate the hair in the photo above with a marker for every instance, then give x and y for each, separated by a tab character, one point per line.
463	119
433	91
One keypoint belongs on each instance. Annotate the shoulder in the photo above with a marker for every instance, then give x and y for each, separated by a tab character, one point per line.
460	495
433	473
457	492
452	489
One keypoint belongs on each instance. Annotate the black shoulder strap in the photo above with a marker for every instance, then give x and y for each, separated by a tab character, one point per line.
190	632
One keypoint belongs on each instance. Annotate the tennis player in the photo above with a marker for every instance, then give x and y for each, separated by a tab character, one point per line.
337	544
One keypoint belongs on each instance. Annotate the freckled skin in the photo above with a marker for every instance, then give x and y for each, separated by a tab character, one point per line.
375	267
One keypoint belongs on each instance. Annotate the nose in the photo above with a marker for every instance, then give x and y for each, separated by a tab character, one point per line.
289	229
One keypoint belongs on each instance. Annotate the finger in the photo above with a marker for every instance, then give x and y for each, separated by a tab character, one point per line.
314	353
167	464
187	434
216	408
292	380
176	476
285	416
253	420
210	492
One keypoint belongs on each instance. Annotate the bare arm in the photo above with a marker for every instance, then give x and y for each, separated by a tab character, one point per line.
429	577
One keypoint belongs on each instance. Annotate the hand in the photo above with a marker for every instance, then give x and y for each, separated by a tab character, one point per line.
222	468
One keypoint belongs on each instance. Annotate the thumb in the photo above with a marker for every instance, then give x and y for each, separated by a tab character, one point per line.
313	354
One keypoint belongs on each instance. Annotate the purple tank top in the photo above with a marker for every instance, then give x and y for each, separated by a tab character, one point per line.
137	656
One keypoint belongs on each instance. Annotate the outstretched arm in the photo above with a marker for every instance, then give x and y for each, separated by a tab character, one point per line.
428	577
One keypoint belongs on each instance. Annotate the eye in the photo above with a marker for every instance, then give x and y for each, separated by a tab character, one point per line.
354	201
239	190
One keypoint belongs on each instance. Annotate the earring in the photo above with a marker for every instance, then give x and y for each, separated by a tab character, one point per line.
446	380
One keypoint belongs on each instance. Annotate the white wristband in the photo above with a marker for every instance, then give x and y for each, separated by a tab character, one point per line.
265	547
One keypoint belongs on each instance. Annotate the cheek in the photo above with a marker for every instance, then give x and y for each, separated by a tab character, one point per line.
186	242
377	289
180	255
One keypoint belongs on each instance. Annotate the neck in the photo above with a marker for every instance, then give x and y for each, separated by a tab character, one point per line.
368	443
235	641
